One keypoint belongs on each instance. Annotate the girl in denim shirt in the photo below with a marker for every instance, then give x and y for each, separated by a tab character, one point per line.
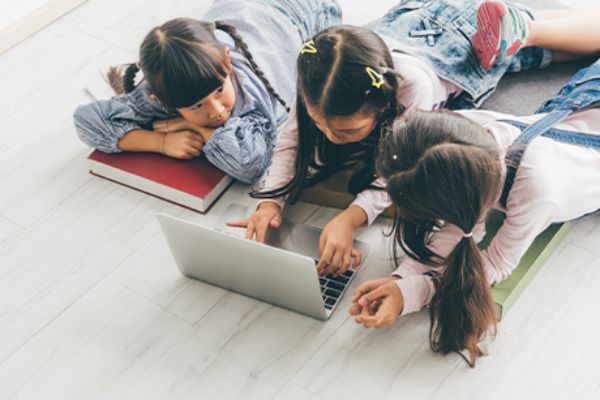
219	88
420	56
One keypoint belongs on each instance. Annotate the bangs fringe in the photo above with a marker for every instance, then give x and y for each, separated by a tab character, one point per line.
192	73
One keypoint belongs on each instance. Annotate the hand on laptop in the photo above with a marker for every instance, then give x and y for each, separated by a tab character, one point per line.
336	245
377	303
267	215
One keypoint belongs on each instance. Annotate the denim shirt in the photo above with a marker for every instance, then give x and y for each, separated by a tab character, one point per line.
242	146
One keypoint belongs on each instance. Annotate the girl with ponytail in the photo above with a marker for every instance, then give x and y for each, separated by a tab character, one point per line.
220	86
445	171
422	55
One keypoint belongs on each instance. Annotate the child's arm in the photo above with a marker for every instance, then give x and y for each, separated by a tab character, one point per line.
268	212
372	201
338	235
183	144
103	123
283	162
242	147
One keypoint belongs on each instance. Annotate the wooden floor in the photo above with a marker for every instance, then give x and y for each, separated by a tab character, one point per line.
93	307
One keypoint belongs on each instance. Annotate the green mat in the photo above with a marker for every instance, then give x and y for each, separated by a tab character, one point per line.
508	291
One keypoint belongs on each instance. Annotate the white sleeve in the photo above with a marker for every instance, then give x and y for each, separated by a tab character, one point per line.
283	162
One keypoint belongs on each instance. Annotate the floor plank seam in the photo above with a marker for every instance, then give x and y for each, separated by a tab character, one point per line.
113	45
135	292
56	316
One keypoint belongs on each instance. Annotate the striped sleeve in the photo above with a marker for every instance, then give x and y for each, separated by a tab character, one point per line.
242	147
101	124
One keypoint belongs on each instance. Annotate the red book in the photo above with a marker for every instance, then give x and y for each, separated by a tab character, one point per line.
195	184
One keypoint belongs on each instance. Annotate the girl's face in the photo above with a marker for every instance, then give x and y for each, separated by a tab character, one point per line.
213	110
344	129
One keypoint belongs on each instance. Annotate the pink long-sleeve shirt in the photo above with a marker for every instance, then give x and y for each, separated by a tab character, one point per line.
555	182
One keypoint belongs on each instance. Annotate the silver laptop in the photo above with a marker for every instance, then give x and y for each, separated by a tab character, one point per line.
281	272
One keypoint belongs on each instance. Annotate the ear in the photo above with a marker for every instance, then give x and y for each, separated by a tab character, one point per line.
228	58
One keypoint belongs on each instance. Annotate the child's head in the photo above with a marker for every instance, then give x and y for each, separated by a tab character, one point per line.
441	167
346	90
347	83
187	69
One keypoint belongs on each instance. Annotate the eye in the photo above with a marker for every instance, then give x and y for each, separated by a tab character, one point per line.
195	107
220	90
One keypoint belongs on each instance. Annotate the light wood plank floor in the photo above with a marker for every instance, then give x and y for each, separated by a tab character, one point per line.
92	305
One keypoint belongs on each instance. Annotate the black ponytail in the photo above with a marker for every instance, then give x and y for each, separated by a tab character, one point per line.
122	82
243	47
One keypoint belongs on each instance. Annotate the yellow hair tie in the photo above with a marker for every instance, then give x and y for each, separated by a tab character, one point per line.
309	47
376	78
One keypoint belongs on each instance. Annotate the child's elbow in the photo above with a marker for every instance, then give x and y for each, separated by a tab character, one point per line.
89	127
249	172
83	127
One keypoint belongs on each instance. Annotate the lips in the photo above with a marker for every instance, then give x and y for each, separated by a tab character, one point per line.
222	120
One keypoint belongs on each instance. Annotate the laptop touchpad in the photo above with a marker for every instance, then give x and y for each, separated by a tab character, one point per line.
291	236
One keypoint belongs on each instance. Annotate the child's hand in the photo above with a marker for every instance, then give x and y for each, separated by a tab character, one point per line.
335	247
180	124
182	144
377	303
267	215
366	287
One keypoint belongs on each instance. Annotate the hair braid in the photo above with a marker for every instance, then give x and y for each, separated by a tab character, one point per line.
240	44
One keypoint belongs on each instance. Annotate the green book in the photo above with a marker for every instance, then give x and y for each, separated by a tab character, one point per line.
508	291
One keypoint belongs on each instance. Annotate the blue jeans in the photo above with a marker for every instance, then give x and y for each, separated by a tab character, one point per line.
309	16
451	24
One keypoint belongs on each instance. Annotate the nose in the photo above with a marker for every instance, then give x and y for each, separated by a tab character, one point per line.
215	109
331	136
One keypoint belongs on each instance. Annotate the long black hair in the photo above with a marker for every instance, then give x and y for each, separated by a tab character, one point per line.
183	62
336	77
442	167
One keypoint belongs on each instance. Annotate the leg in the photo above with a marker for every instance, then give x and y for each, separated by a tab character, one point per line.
577	33
546	15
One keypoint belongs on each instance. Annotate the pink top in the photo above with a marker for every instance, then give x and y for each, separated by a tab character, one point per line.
421	89
555	182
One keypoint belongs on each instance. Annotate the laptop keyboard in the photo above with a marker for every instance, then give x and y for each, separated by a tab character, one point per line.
333	286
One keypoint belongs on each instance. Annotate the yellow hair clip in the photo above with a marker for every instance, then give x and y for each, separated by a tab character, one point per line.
309	47
376	78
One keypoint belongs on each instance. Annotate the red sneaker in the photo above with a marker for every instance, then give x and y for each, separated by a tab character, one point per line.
486	41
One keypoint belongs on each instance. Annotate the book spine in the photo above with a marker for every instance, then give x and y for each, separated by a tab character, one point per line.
147	186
